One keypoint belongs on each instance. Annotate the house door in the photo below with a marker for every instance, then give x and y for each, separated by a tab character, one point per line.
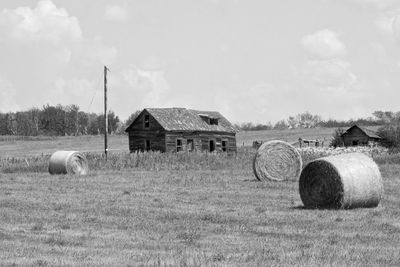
147	145
190	145
224	145
212	145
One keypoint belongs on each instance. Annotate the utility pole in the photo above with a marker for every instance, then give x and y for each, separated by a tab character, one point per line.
105	112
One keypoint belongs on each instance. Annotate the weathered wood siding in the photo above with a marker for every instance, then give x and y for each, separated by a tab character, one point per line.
201	141
138	135
137	141
166	141
355	137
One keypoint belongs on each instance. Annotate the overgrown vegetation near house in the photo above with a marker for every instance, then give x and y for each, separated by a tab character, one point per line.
390	135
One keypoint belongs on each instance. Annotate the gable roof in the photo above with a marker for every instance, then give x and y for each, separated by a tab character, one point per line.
182	119
366	131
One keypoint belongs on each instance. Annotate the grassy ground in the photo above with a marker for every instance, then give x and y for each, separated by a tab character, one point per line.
290	135
187	218
200	211
11	146
28	146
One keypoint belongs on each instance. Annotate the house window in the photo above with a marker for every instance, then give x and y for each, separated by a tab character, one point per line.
212	145
147	121
147	145
209	120
190	145
179	145
224	145
213	121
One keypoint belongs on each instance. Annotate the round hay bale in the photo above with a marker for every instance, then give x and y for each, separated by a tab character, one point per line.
68	162
343	181
278	161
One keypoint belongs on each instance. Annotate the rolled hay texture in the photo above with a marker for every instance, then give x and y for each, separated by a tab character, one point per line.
68	162
278	161
344	181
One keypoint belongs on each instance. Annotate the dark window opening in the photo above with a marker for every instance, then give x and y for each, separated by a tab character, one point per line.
355	143
213	121
212	145
147	145
208	119
224	146
179	145
190	145
147	121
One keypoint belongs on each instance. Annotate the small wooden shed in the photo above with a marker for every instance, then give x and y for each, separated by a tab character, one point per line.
181	129
356	135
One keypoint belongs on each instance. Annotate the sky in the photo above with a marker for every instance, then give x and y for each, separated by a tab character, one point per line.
252	60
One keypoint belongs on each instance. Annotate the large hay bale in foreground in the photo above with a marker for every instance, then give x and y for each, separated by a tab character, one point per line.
68	162
344	181
278	161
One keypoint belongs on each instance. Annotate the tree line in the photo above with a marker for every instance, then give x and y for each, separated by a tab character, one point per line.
70	120
308	120
57	120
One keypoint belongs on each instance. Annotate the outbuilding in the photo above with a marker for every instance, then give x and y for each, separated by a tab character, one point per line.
181	129
356	136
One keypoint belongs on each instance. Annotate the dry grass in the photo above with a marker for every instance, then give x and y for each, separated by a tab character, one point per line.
186	218
200	210
151	161
17	146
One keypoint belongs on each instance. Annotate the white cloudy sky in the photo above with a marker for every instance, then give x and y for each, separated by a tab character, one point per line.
252	60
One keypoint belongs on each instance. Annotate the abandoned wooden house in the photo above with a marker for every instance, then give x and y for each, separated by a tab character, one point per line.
356	136
180	129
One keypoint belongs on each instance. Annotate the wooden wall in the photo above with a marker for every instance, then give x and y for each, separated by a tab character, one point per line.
161	140
138	124
138	135
137	141
355	135
201	141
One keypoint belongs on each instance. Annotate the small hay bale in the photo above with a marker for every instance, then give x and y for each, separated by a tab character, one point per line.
68	162
278	161
343	181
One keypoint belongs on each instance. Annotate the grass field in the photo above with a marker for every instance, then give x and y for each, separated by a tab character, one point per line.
22	146
209	211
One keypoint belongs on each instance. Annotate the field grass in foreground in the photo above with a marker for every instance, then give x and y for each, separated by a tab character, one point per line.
187	218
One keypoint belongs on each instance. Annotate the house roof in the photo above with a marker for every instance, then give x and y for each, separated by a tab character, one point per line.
367	132
182	119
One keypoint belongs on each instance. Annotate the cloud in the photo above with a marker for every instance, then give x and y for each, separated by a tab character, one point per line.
329	75
115	13
387	13
324	44
59	33
48	49
396	26
327	72
378	4
94	51
72	91
140	88
7	96
45	22
328	68
385	24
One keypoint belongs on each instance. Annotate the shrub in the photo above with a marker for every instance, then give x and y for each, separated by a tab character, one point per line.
390	135
337	139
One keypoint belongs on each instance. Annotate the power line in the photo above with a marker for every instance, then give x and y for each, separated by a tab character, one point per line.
97	87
